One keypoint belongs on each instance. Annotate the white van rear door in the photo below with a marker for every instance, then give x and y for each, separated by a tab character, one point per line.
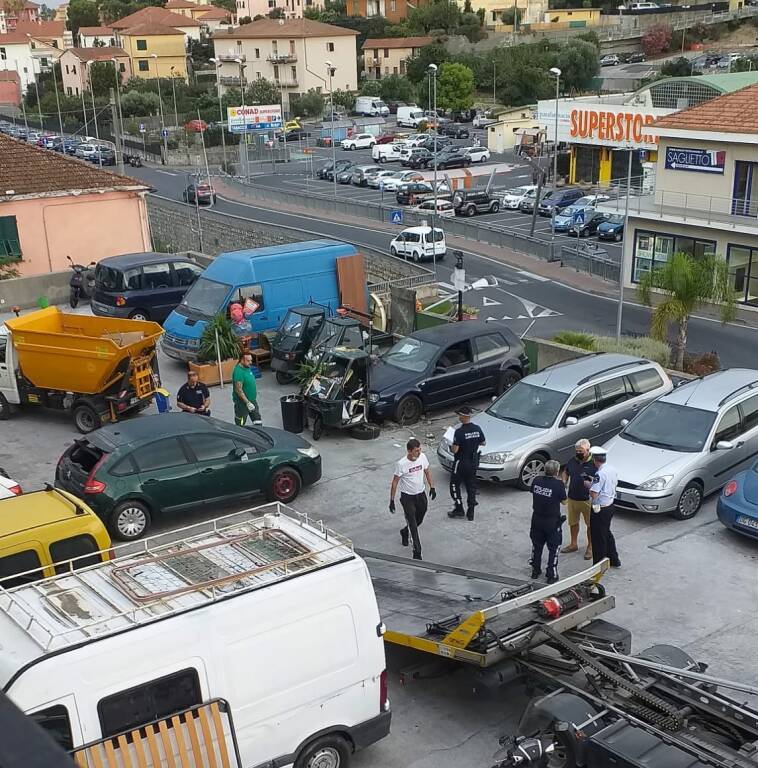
60	719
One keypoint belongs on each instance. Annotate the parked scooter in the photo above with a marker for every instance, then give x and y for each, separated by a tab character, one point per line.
81	283
134	160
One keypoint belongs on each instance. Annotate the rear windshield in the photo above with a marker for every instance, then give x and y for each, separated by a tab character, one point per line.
108	278
85	455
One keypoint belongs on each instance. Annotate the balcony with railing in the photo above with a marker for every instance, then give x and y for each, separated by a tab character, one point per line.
229	56
286	82
230	80
282	58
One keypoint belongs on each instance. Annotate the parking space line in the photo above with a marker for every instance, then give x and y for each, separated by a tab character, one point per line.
539	278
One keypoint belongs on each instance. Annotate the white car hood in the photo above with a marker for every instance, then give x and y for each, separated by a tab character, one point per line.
636	462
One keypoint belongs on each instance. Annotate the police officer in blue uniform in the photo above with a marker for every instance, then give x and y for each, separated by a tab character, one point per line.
603	494
548	493
467	440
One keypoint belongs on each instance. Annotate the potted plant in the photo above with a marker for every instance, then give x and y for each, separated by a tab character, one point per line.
470	313
218	331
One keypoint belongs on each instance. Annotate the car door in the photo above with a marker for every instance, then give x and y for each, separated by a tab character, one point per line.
583	407
452	376
489	351
722	464
158	291
749	431
224	466
400	244
166	473
612	406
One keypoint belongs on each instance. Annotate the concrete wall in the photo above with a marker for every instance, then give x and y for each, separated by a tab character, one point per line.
544	353
25	292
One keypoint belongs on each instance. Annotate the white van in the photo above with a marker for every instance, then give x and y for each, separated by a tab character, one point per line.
419	244
256	637
410	117
371	106
387	153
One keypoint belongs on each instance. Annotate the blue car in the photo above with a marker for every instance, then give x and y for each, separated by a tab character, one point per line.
564	221
737	506
612	228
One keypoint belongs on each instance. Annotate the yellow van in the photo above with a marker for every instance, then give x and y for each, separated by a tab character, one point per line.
48	532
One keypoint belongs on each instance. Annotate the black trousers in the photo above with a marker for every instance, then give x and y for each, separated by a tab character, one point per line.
603	542
414	506
545	536
463	474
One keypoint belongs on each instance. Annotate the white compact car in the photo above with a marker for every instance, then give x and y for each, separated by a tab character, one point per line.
8	487
512	197
478	154
419	243
444	208
359	141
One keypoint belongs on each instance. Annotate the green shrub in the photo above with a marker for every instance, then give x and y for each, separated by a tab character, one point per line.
576	339
220	327
642	346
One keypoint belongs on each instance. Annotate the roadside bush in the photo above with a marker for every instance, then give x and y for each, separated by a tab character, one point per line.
576	339
657	40
640	346
702	365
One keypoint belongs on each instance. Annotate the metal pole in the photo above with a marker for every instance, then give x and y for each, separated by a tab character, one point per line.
334	147
243	138
94	113
117	134
205	153
222	122
494	69
173	90
434	213
118	107
84	111
620	310
555	142
39	106
160	104
57	100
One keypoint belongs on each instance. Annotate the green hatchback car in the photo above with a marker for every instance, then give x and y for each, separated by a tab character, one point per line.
133	471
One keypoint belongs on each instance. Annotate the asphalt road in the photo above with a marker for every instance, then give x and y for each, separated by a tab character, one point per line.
525	299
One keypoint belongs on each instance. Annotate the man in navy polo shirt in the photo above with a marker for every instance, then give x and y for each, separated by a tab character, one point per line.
194	397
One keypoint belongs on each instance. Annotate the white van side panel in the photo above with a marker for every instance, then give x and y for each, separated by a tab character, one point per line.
293	659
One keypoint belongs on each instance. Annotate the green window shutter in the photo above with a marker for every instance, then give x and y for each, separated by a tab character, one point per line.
10	247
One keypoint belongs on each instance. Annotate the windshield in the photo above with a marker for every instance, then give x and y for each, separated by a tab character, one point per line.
526	404
293	324
654	427
518	192
411	354
616	218
205	298
568	213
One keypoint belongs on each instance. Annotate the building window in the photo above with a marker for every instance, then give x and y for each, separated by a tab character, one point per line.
43	62
141	45
70	92
144	65
393	6
293	72
257	53
10	247
743	273
122	67
653	249
3	54
386	53
330	47
66	68
73	69
394	70
743	203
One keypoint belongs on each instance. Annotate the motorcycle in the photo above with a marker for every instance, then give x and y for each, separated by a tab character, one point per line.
135	161
81	282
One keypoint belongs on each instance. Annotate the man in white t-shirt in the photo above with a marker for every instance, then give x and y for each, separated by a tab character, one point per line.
410	473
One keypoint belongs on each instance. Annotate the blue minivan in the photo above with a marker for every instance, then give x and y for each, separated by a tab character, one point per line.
275	278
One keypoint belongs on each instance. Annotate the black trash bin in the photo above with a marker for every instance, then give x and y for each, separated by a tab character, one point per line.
293	413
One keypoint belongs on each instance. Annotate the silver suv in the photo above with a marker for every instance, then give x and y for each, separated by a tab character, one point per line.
687	444
543	415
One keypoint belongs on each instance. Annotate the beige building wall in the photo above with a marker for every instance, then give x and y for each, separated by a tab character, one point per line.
504	135
384	62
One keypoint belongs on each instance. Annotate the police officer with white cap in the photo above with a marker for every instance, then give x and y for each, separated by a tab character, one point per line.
603	494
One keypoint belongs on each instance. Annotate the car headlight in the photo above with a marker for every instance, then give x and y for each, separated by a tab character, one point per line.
310	452
373	397
657	483
498	457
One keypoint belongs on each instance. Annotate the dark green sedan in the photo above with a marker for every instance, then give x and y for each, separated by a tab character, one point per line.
135	470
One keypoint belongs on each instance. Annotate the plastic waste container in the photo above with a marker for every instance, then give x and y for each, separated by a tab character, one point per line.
293	413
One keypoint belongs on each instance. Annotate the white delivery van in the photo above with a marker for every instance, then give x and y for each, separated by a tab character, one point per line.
420	244
387	153
252	640
410	117
371	106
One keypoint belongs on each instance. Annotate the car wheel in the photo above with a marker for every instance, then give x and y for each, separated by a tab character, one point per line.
416	257
483	158
284	485
130	520
318	427
326	752
393	251
471	210
507	380
617	237
689	502
352	147
382	159
139	314
533	467
5	409
85	418
495	207
408	410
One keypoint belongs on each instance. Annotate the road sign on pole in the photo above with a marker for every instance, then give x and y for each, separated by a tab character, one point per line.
164	133
142	128
578	218
396	217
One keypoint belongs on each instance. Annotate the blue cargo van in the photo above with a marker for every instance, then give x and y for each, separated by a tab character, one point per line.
275	278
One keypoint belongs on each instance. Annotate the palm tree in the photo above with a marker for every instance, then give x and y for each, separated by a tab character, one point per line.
681	285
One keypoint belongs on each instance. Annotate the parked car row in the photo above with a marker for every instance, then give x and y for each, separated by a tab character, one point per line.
89	149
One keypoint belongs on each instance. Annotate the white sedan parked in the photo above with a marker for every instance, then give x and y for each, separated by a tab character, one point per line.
376	179
512	197
478	154
8	487
444	208
359	141
394	180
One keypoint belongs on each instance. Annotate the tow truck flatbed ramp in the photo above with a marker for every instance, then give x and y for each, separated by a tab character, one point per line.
474	617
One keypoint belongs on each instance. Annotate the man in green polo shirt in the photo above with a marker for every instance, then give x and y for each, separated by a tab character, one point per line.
245	392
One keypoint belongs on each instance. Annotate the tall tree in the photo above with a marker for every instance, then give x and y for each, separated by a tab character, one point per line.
82	13
455	87
227	5
678	288
578	63
103	77
429	54
263	91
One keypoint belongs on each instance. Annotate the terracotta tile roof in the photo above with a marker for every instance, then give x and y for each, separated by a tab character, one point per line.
273	28
214	13
97	54
43	29
30	170
93	31
397	42
180	4
14	38
9	77
154	15
5	4
150	28
731	113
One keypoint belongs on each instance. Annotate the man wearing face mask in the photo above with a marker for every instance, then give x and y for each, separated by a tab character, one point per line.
578	470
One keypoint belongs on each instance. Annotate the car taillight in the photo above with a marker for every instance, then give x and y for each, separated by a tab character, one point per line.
730	488
91	485
384	702
120	301
15	490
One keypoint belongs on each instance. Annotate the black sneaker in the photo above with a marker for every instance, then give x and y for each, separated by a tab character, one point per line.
615	563
536	574
455	513
404	538
552	579
470	516
417	555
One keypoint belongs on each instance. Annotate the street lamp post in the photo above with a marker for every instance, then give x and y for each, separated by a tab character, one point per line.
432	71
94	112
57	98
173	91
222	121
118	108
620	308
243	140
330	71
160	103
36	88
557	72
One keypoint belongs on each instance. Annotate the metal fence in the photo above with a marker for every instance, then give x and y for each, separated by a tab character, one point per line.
592	259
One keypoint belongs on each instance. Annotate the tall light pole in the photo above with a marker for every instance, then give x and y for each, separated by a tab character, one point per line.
241	64
432	72
57	98
557	72
620	308
160	103
330	71
116	64
36	88
222	119
173	90
94	111
84	108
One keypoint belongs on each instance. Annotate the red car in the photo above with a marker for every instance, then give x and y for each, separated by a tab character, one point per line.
197	126
385	138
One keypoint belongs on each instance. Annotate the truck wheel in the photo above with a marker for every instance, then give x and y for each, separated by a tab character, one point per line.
5	409
471	210
129	520
326	752
284	485
495	207
86	419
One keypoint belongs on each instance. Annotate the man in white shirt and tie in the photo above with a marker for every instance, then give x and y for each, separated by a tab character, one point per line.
603	494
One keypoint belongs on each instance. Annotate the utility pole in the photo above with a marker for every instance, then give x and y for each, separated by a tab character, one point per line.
117	133
620	308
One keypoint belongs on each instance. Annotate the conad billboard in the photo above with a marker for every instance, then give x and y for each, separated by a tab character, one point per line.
605	125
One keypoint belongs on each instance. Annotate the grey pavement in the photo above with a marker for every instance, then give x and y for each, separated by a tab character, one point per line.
690	583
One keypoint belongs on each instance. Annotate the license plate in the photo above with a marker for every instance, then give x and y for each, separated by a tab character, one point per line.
748	522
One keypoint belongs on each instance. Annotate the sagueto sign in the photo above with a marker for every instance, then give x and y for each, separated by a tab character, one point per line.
701	160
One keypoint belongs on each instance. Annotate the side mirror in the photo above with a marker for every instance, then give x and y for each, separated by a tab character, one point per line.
724	445
624	422
570	421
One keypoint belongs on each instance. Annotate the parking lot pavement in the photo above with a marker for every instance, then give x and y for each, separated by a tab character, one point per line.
689	583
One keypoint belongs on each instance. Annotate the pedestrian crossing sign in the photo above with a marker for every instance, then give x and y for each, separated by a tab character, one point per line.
579	218
396	217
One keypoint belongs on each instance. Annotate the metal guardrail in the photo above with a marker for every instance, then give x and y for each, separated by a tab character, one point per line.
595	261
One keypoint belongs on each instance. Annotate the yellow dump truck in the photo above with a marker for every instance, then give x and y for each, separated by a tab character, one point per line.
99	369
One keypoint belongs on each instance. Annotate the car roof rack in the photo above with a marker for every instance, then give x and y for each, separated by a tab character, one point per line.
738	391
611	368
